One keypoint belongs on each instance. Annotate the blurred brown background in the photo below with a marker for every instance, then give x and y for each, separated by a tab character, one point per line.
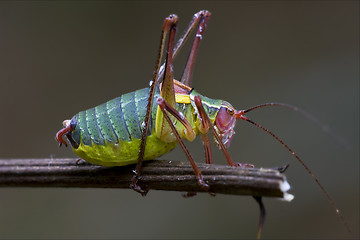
57	58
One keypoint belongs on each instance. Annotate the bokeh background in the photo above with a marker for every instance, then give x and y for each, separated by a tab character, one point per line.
57	58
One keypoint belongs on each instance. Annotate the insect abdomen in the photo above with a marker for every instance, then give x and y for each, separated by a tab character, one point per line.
110	134
118	119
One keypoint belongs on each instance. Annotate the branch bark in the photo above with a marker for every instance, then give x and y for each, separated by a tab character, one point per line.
156	175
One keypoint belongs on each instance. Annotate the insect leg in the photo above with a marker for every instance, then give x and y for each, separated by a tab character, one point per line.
182	40
187	73
204	129
168	22
262	216
167	89
163	106
173	112
163	128
207	147
206	119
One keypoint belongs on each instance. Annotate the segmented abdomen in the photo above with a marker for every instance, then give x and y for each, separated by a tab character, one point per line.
119	119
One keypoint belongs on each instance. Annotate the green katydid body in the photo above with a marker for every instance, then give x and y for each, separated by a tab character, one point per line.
114	133
110	134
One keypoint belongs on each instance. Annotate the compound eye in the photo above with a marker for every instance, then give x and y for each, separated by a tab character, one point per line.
230	111
225	119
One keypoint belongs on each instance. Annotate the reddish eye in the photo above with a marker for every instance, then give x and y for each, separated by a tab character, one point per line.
225	119
230	111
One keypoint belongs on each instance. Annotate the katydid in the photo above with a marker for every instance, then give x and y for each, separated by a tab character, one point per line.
149	122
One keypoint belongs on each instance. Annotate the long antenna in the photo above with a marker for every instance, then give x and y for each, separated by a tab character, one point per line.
309	116
331	201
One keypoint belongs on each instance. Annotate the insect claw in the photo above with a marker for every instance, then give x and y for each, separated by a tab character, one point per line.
282	169
205	186
61	143
212	194
138	189
78	161
134	186
189	194
243	165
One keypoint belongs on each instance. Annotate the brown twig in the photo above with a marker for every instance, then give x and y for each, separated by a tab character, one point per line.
157	175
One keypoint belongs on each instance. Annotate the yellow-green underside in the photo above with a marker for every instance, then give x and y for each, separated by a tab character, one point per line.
124	152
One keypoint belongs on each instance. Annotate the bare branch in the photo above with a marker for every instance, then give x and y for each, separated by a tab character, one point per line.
156	175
